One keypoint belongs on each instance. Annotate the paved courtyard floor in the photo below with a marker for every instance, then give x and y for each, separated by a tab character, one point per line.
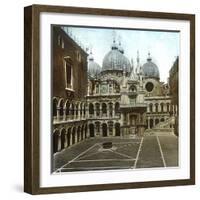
126	153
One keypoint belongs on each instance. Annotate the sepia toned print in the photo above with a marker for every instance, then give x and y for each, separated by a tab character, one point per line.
114	99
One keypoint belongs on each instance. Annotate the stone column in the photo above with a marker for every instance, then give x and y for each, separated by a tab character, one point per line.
64	114
113	110
70	138
154	122
159	107
148	110
164	107
59	142
58	114
100	109
76	139
148	122
65	145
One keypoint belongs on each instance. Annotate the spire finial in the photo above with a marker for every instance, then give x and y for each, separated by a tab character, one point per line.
149	56
138	57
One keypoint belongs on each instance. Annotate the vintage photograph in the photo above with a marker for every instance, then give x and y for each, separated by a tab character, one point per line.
114	98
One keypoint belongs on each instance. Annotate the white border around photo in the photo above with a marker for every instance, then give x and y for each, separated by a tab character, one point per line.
115	176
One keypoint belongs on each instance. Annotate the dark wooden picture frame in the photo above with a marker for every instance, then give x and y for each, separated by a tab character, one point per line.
32	93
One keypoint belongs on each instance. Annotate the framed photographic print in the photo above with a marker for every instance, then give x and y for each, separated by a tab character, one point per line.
109	99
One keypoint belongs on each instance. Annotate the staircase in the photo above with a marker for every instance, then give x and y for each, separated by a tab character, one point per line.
162	128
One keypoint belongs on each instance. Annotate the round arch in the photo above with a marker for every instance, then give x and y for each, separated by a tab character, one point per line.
104	130
117	129
68	137
62	133
55	105
91	129
56	140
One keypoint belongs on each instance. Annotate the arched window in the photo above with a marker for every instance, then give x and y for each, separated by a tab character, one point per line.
97	125
91	109
132	88
55	102
168	107
117	129
67	109
156	107
97	105
150	107
110	109
110	127
55	141
91	129
63	132
104	108
61	105
77	110
68	137
162	107
104	130
117	108
68	72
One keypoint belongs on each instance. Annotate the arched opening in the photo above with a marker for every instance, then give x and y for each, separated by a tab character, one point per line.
81	110
117	110
63	132
97	126
55	141
77	110
162	119
78	134
91	128
151	123
110	127
72	111
67	109
104	130
104	109
55	103
61	105
91	109
162	107
117	129
68	137
85	131
132	88
82	132
168	107
117	88
73	136
84	110
97	106
110	109
156	121
156	107
150	107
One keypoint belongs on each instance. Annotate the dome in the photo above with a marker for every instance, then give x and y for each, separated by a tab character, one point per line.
93	68
150	69
115	60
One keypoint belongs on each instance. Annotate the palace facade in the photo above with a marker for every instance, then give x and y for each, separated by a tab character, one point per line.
116	99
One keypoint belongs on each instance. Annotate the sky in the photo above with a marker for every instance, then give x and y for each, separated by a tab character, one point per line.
163	46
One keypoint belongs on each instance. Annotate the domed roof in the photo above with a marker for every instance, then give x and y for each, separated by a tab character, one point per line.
93	68
115	60
150	69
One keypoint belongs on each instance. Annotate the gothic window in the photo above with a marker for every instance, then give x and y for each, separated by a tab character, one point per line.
150	107
68	74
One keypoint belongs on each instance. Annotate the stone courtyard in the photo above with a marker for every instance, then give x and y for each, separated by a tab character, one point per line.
126	153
